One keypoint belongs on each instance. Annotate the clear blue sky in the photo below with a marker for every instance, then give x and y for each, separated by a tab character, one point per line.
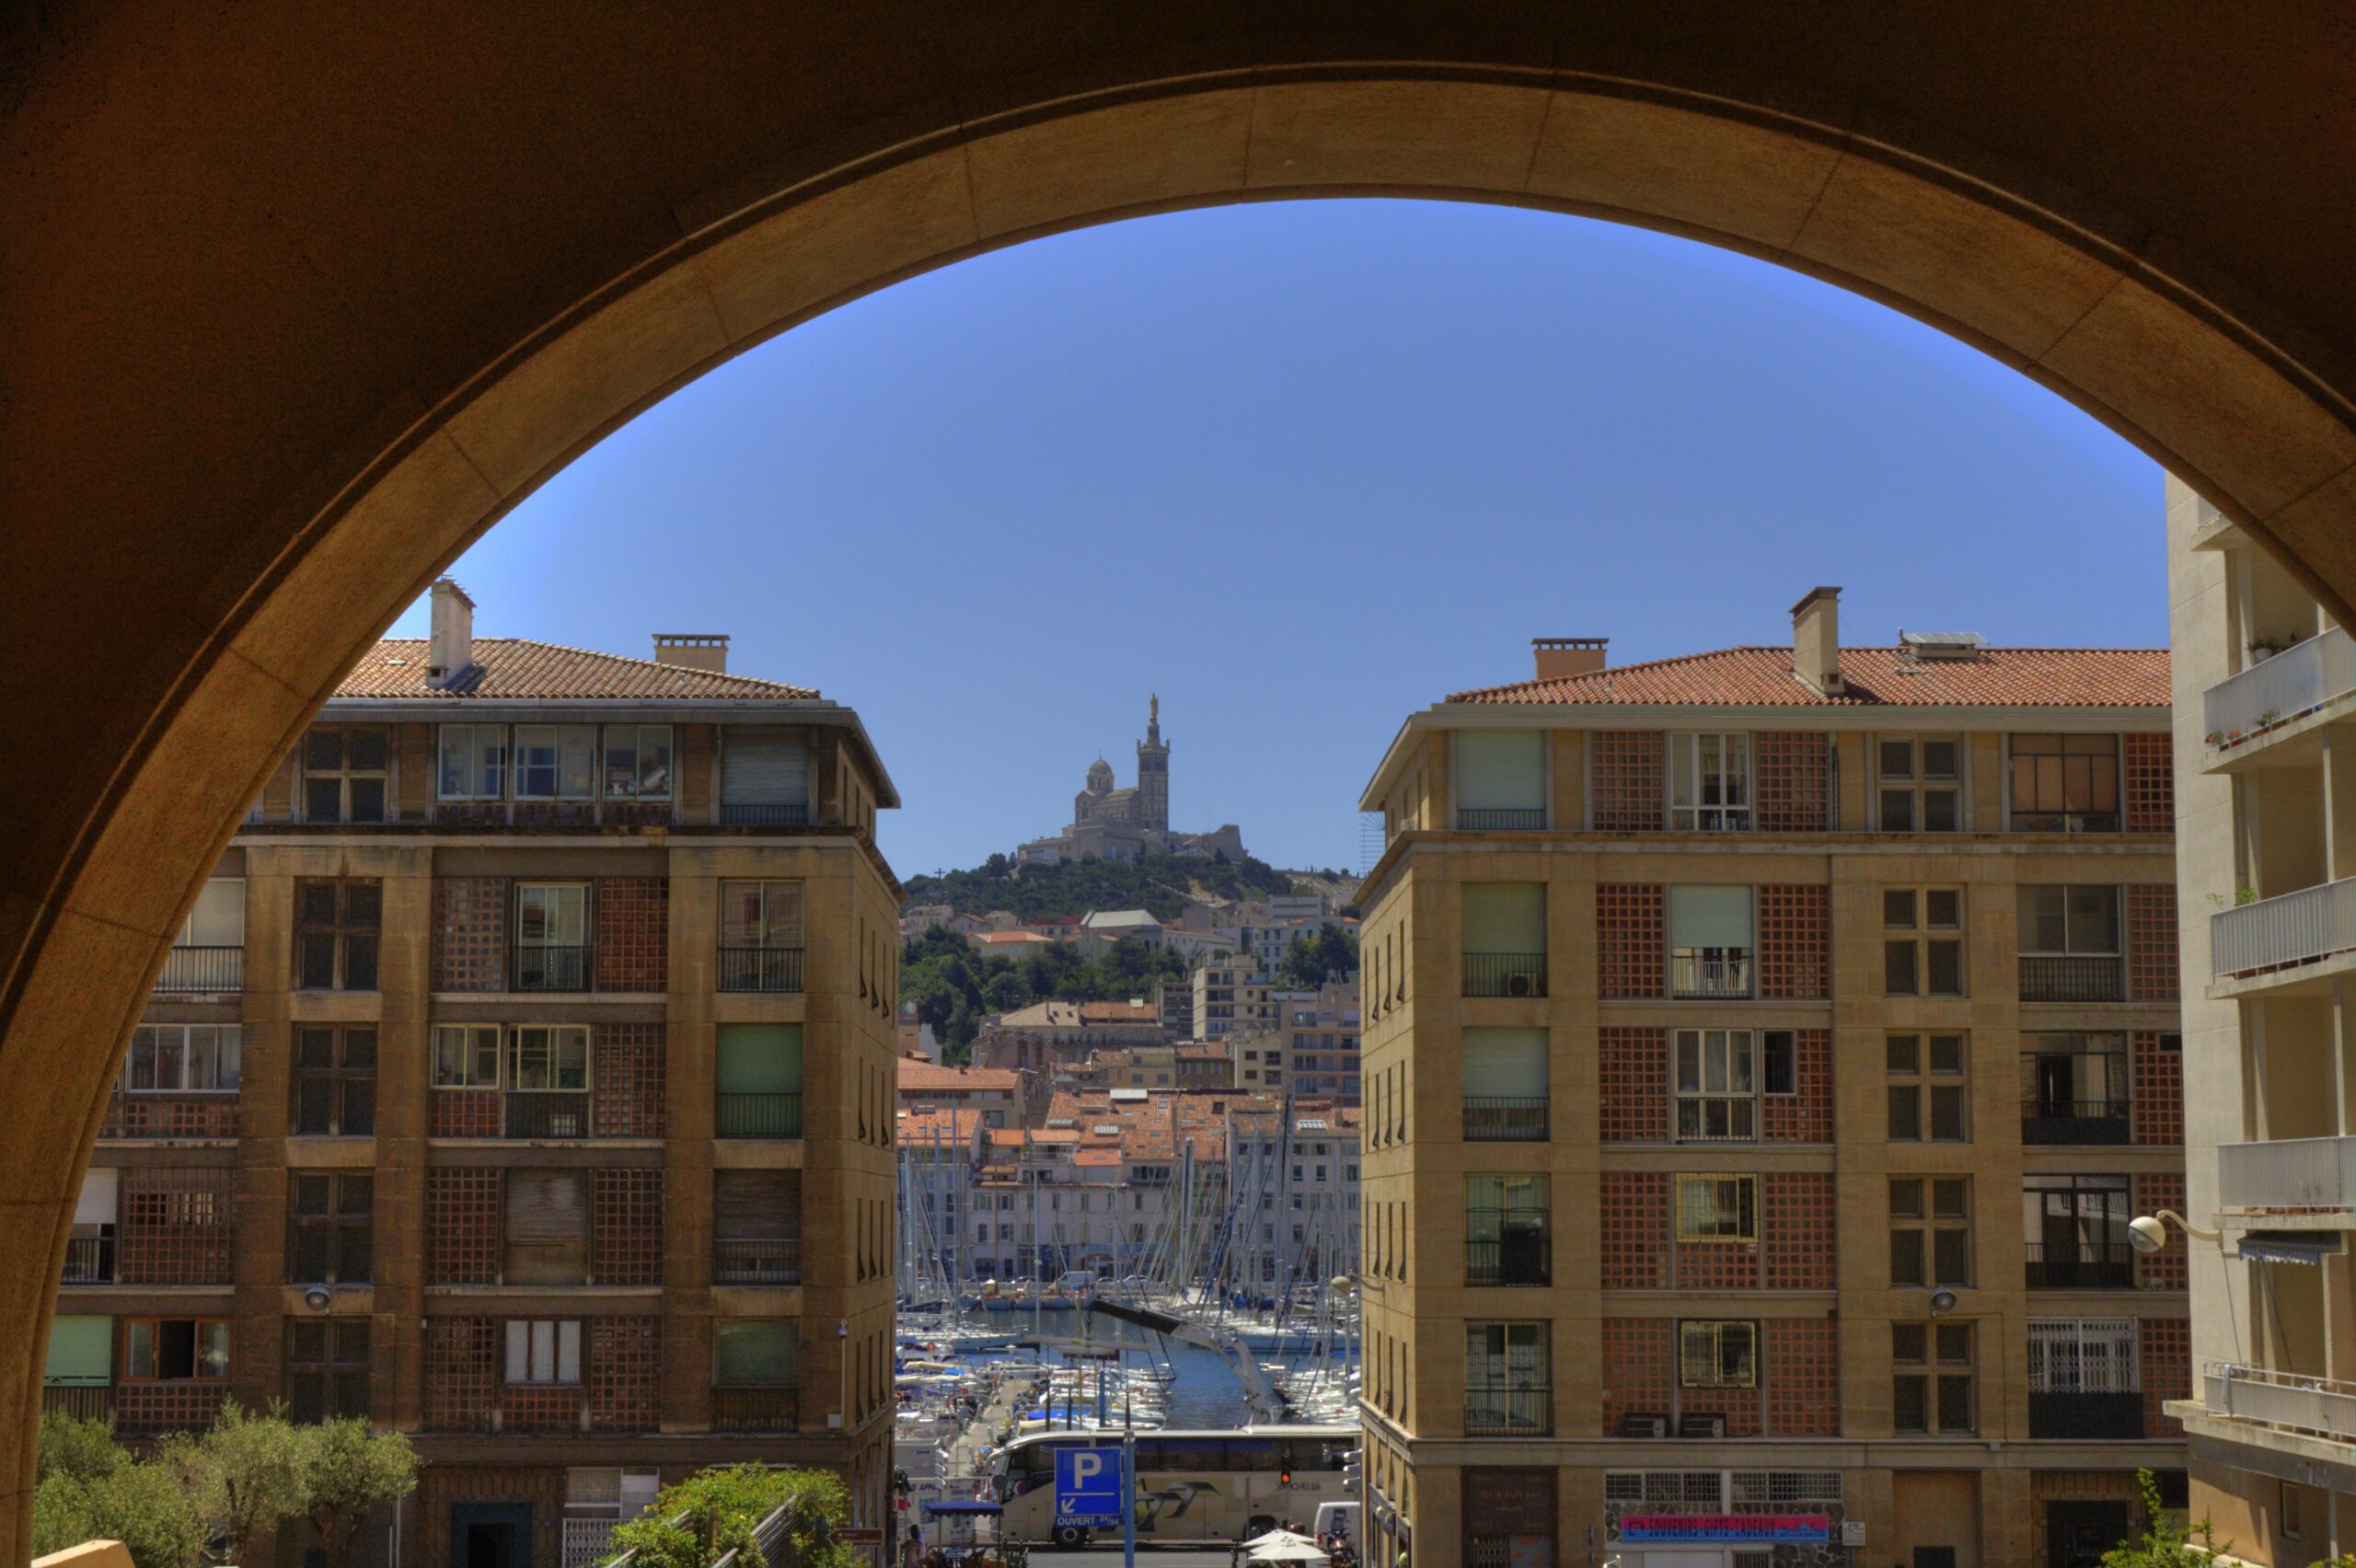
1301	468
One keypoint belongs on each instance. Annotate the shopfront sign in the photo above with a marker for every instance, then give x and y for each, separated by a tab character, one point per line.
1726	1529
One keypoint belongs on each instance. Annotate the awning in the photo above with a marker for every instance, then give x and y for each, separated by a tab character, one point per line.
2308	1247
959	1505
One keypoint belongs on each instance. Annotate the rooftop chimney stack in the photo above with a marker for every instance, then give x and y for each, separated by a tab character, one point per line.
1559	658
1816	641
450	652
693	649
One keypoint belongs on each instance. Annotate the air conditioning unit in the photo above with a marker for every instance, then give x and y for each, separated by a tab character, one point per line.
1644	1424
1701	1426
1521	985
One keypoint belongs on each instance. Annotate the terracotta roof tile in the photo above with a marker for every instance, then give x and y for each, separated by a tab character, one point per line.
1872	677
920	1077
516	669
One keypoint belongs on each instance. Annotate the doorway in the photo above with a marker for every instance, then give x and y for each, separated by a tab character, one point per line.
491	1534
2077	1534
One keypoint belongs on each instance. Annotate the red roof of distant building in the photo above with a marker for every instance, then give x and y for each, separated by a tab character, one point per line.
1870	678
519	669
923	1078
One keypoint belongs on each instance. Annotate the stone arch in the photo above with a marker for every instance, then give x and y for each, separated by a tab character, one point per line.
299	333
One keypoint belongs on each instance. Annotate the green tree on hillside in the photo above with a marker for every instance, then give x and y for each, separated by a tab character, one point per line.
1311	962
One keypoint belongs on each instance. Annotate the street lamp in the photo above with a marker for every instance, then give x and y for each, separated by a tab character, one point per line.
2146	1233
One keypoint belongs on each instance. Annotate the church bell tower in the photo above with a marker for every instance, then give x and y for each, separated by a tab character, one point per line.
1153	772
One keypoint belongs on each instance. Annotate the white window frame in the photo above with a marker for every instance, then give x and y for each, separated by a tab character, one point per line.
1697	761
468	1041
471	738
2060	1362
559	738
1722	1057
630	785
170	1042
563	1052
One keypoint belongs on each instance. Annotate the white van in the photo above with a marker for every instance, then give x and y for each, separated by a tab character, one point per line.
1339	1517
1076	1281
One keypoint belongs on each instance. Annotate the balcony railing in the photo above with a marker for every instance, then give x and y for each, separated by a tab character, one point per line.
756	1410
1505	973
761	969
89	1260
2086	1415
552	968
2050	1269
145	1115
1505	1118
1693	979
774	814
2075	1122
1493	1412
84	1401
2303	676
756	1260
588	1542
546	1114
2291	1401
2053	977
2288	1174
1500	819
1516	1253
203	969
757	1116
2290	927
2063	822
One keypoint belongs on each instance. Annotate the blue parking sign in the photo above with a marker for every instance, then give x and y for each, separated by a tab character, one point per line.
1089	1488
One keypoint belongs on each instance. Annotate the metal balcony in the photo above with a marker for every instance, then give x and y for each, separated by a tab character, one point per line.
2288	1175
552	968
1516	1411
1505	1118
2291	684
544	1113
1505	973
2052	1269
84	1401
764	813
756	1115
761	969
1500	819
2069	978
1706	979
2290	928
89	1260
756	1410
2075	1122
756	1260
2085	1417
203	969
2287	1401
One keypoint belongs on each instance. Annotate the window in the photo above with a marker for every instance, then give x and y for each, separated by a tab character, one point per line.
1713	1354
1710	941
1505	1085
764	776
335	1082
327	1368
760	936
1717	1084
1713	1207
547	1229
1926	1088
1921	785
544	1350
1709	783
638	762
1507	1381
465	1055
2084	1356
552	1057
2069	943
2066	784
552	937
183	1058
1506	1230
755	1353
758	1082
2074	1087
1921	941
337	928
556	762
329	1225
2075	1232
81	1352
1500	778
1779	1062
1505	941
158	1349
474	762
219	918
1930	1231
344	774
1930	1388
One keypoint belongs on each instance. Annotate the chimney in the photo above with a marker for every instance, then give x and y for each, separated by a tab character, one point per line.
1816	641
693	649
1558	657
450	652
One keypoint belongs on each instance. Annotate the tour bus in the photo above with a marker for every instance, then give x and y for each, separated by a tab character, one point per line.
1193	1488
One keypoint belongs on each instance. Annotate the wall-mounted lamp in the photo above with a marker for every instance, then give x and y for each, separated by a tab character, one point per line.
316	1299
1942	1301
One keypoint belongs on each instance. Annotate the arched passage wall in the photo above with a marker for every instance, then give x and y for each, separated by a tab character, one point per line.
305	301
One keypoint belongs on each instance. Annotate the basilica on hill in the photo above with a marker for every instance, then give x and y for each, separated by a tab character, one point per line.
1109	823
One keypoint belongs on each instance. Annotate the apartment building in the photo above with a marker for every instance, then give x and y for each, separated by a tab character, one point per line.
1766	1052
524	1081
2265	762
1322	1042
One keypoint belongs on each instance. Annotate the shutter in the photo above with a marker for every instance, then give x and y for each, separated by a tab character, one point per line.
219	917
81	1352
756	1354
1709	918
548	1228
1505	1062
1504	918
756	1206
763	765
1501	770
759	1058
96	1204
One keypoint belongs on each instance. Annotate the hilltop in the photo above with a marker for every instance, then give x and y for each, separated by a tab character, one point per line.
1160	884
